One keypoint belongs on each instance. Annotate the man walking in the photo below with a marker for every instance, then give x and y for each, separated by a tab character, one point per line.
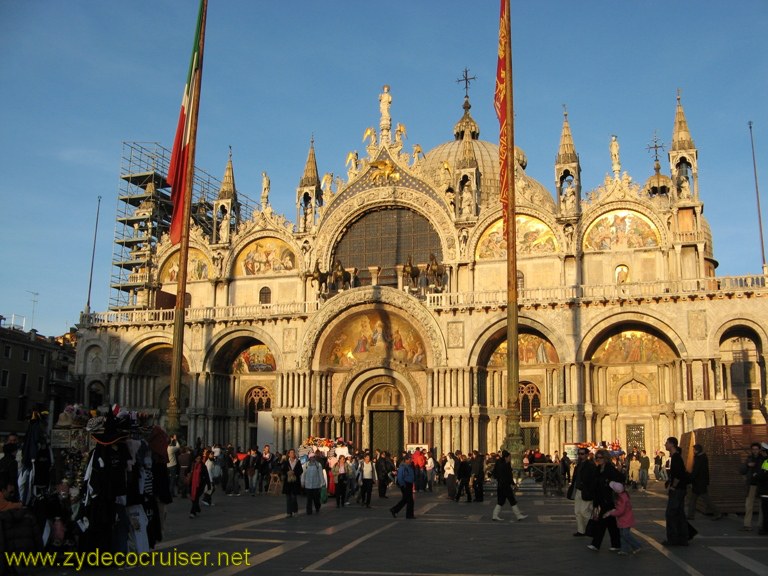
406	476
584	476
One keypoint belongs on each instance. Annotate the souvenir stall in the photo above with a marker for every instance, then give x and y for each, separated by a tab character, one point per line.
112	482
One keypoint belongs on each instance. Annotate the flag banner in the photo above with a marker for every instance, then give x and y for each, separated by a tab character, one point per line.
503	85
177	171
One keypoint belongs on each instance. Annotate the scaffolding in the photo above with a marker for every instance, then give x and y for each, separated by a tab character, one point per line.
144	215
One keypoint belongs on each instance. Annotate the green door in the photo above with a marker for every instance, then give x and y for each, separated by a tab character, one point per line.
387	430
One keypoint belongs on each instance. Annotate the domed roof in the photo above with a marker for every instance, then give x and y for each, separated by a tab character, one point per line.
658	183
528	190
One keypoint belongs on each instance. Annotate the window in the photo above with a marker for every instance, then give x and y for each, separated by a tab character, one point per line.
21	412
26	354
753	399
4	379
265	296
7	351
40	383
23	385
3	408
42	359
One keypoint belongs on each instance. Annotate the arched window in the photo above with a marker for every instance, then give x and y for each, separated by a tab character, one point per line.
530	403
265	296
520	281
258	400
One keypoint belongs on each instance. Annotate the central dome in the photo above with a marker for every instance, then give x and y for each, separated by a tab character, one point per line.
486	154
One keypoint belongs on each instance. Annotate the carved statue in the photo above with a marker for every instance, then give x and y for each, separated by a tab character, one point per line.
385	101
326	183
615	162
370	133
417	152
569	197
467	203
411	273
400	133
352	161
264	189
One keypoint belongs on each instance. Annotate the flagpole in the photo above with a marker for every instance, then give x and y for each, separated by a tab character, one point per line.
757	194
172	422
513	441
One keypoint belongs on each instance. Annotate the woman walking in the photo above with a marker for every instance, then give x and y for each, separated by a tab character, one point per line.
502	472
198	483
292	469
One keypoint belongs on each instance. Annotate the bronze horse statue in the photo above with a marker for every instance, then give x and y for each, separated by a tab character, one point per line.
435	272
340	277
321	278
411	272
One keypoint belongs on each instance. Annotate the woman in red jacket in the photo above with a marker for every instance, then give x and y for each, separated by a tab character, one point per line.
198	482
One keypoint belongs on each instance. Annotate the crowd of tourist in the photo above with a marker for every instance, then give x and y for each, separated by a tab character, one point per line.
137	474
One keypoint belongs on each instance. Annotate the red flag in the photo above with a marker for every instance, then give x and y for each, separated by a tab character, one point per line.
500	100
177	171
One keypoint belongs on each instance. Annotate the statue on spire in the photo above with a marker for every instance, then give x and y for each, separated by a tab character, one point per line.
385	124
615	162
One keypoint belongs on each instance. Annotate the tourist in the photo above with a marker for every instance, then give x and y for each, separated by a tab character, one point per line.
342	471
199	482
291	470
384	468
700	485
406	477
584	478
625	519
505	490
313	480
603	502
750	469
368	478
677	484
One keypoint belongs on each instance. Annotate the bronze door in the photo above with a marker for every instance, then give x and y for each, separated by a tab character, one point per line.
387	430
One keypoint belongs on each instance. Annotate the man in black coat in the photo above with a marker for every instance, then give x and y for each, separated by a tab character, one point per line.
677	484
700	485
584	477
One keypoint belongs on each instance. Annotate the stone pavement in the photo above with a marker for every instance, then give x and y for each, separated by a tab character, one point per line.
446	538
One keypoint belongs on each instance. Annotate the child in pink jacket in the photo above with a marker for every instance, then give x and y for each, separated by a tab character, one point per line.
625	519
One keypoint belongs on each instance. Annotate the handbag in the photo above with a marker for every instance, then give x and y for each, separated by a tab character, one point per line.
589	529
324	494
571	494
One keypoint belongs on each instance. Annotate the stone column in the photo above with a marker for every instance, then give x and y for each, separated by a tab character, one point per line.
399	272
374	272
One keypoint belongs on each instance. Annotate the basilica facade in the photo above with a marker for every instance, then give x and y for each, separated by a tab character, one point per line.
380	314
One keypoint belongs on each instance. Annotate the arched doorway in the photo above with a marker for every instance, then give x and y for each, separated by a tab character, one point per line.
261	425
386	419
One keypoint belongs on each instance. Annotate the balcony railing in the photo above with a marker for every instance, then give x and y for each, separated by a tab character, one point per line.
713	287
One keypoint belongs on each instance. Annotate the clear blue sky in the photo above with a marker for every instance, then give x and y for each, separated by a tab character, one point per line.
79	77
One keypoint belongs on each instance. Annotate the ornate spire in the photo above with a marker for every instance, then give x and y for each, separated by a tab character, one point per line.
567	151
466	124
228	190
310	177
681	136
